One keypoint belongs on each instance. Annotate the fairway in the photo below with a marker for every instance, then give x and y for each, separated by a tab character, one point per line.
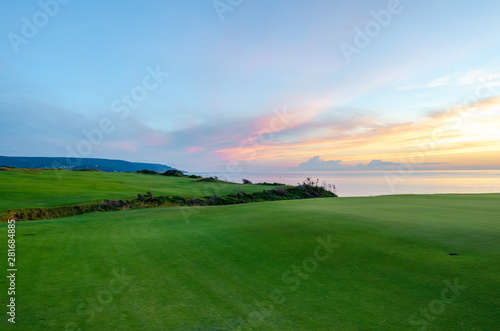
50	188
375	263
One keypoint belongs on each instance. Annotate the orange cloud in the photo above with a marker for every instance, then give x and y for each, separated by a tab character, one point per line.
467	129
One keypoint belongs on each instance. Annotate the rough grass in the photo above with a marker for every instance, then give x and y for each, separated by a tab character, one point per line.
217	268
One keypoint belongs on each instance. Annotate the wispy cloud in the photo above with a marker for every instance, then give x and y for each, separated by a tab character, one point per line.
473	77
193	149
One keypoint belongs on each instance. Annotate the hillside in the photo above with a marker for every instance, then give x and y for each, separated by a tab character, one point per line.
79	163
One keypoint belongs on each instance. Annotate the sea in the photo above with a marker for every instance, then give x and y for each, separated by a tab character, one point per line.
372	183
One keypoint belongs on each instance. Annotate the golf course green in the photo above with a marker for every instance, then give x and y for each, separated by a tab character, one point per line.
365	263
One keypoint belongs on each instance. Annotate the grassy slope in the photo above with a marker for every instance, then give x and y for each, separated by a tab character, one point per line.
49	188
206	273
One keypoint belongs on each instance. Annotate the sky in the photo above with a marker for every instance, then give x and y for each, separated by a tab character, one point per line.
240	85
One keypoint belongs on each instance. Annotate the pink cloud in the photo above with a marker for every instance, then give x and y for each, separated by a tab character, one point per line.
195	149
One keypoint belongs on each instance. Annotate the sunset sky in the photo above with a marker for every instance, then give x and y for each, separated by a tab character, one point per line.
224	85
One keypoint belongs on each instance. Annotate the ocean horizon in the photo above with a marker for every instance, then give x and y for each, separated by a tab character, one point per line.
372	183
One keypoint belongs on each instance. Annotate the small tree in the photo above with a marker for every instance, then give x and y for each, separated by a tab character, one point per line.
246	181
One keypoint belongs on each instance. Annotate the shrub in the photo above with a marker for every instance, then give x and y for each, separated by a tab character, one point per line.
210	180
272	184
174	173
147	172
246	181
280	191
194	202
310	182
215	199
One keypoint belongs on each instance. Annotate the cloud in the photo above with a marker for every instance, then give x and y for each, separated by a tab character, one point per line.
461	129
378	165
473	77
318	164
193	149
385	165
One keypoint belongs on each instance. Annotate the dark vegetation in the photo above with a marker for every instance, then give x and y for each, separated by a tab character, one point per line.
80	163
175	173
147	172
306	190
214	179
22	170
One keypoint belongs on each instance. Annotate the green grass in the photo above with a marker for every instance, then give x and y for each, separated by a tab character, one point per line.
51	188
206	268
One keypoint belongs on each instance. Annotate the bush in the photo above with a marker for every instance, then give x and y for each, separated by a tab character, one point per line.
210	180
215	200
174	173
195	202
310	182
271	184
147	172
246	181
